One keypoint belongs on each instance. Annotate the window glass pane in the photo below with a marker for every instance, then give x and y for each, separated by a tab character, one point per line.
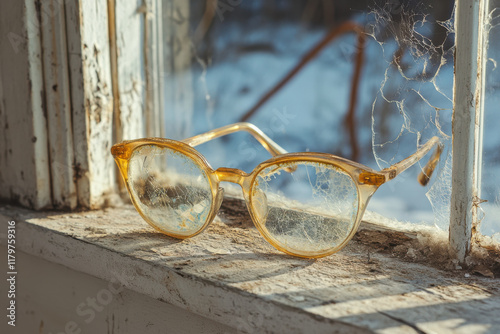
239	50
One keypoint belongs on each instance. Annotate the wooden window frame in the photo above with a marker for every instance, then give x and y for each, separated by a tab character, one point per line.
468	111
77	76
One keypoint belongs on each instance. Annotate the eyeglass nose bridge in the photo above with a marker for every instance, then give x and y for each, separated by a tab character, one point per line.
232	175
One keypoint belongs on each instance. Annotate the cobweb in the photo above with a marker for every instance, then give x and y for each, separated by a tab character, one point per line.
414	102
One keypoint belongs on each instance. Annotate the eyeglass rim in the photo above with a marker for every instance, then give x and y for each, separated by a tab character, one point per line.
367	180
123	152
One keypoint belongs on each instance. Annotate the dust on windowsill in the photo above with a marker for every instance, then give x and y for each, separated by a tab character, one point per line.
420	244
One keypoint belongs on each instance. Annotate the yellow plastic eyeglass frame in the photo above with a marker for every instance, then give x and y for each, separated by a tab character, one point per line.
366	179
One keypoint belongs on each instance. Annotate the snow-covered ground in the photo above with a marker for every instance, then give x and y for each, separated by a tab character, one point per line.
308	113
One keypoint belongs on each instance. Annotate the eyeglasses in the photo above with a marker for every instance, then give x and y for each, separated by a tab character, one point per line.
304	204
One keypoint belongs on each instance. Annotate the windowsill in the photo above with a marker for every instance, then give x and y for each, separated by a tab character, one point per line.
229	274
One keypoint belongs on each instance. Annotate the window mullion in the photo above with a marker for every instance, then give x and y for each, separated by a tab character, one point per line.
466	114
126	41
91	100
154	68
58	104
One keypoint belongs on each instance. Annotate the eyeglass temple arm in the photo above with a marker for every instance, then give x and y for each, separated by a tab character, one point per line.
425	175
264	140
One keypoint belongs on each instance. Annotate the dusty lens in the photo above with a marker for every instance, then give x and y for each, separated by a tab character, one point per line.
306	208
171	190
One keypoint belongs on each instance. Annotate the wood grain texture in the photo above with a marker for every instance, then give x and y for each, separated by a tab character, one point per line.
65	65
155	72
24	160
128	78
58	103
92	100
230	275
54	297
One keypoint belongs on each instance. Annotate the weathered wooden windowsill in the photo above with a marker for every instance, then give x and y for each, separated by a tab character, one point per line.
230	275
